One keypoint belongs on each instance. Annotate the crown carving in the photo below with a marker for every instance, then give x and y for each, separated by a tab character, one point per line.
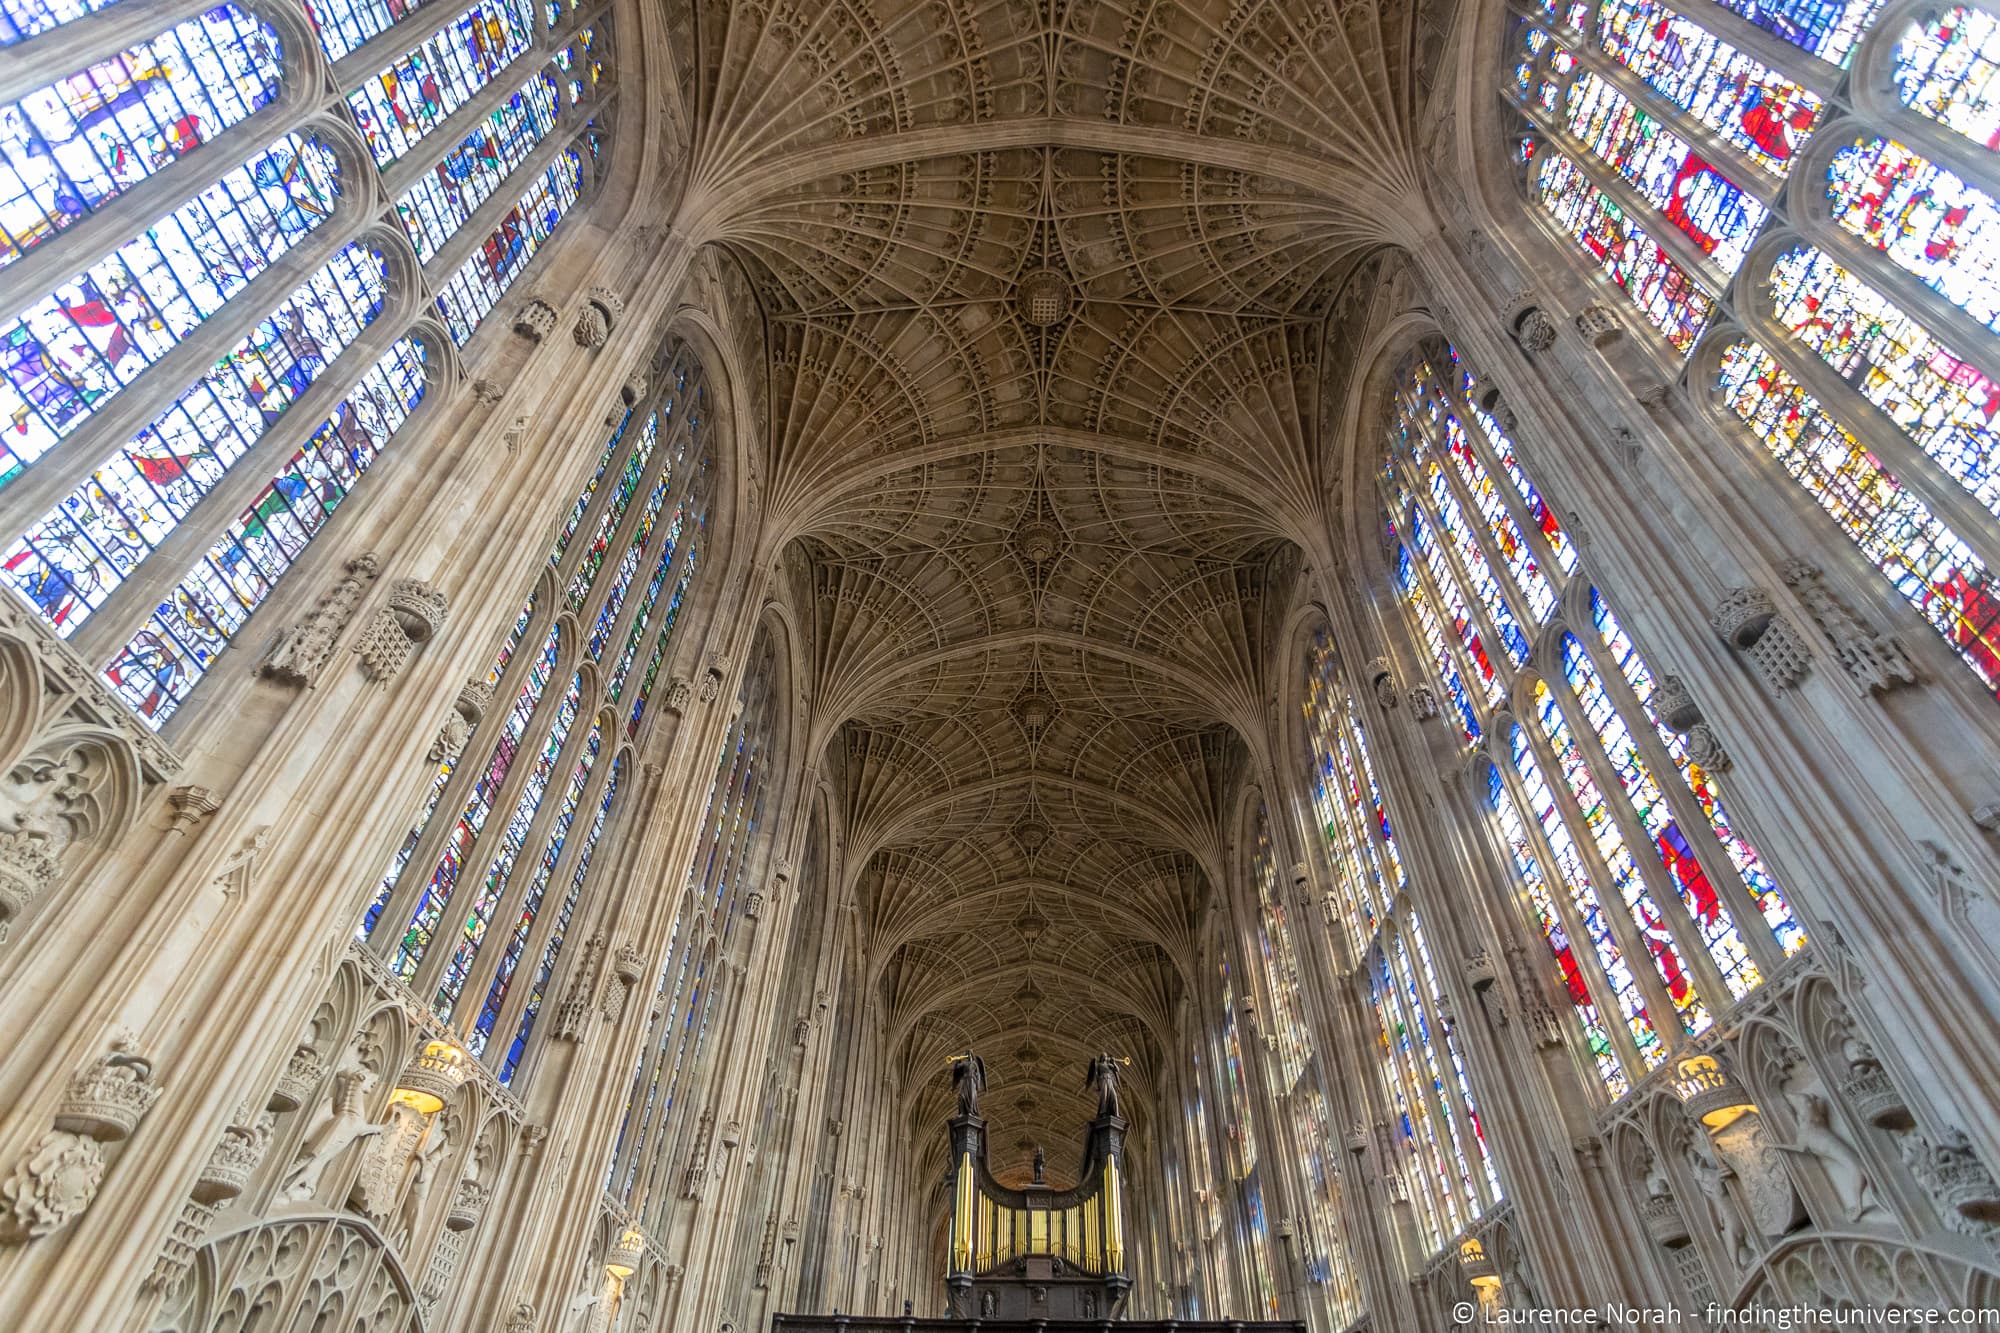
107	1101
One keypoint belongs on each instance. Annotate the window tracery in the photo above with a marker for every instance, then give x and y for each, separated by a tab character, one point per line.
1654	907
552	755
1440	1148
1872	296
115	423
732	853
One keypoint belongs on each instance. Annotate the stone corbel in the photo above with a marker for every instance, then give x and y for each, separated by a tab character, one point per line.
1381	680
413	615
1598	326
535	320
1748	621
1530	324
575	1007
1952	1174
1674	706
627	966
188	806
302	651
1423	703
679	697
1874	662
712	679
57	1180
224	1176
474	697
599	316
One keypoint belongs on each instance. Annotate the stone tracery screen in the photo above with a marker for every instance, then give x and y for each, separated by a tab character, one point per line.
181	413
1861	354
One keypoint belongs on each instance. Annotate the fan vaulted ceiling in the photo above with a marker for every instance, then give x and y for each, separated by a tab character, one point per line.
1045	285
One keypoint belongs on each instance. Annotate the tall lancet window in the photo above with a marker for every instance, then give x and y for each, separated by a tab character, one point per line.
1861	349
1438	1143
1314	1156
205	337
733	853
1658	913
475	905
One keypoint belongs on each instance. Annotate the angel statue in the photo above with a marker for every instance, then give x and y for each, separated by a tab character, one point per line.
968	1080
1102	1074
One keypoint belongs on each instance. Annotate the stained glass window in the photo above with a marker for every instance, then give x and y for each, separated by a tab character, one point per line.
343	26
72	560
1826	28
1942	402
1690	192
471	293
70	353
419	91
687	991
1762	112
165	659
1660	289
1946	68
1279	955
1929	222
1924	558
22	19
444	198
501	881
67	148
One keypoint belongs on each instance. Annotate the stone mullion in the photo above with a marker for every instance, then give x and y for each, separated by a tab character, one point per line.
1263	1098
473	233
515	1003
621	628
1329	1057
1660	1007
1711	855
1482	536
598	591
1582	947
1516	508
621	702
1454	644
1644	853
1468	591
499	922
133	602
42	484
808	1124
649	1191
564	570
444	816
1428	967
469	883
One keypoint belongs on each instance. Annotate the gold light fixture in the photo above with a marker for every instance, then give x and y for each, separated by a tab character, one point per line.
1475	1267
433	1077
623	1261
1709	1095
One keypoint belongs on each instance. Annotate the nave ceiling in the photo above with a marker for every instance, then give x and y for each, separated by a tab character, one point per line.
1046	287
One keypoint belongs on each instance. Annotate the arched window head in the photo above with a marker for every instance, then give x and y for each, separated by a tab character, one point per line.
180	412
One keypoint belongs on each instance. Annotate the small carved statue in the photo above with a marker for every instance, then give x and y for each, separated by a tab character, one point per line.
1041	1166
1708	1178
968	1080
1087	1305
423	1175
1102	1074
342	1124
1819	1139
988	1304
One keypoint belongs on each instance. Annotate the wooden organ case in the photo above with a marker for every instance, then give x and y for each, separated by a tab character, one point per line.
1036	1253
